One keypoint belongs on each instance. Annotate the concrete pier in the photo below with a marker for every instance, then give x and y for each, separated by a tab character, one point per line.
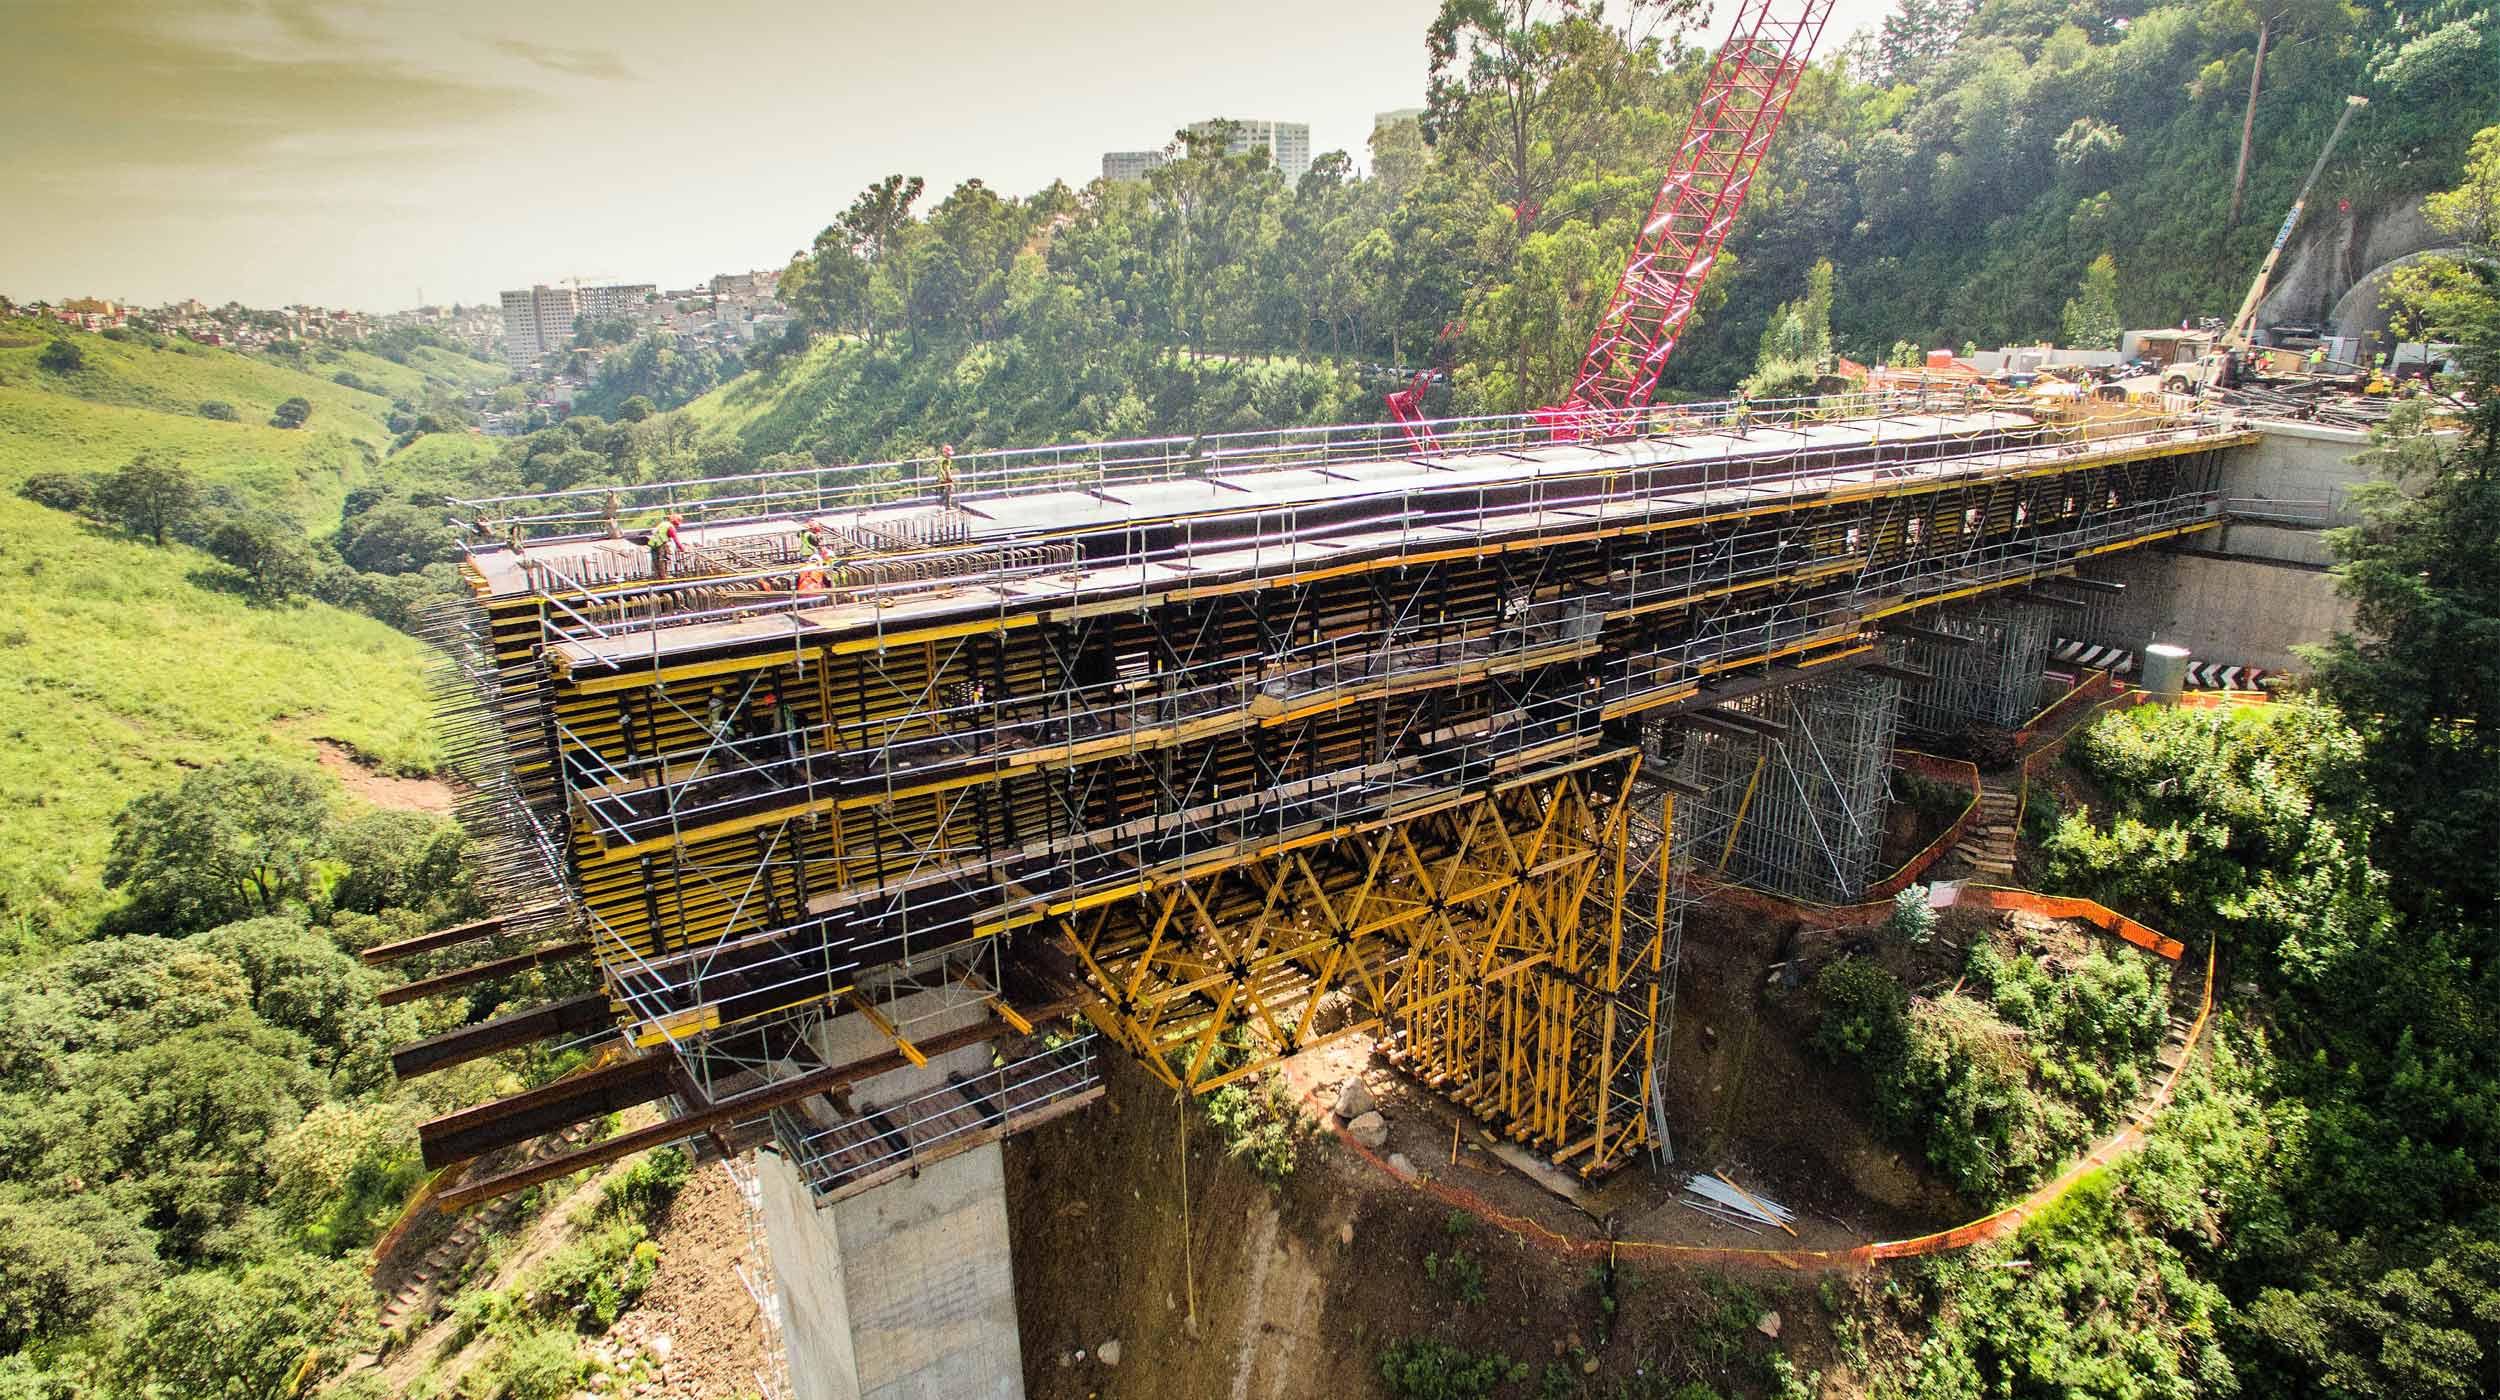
903	1292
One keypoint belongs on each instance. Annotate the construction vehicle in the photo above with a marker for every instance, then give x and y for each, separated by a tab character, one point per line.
1704	189
2226	365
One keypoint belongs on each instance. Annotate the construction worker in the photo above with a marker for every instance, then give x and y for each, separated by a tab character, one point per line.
2315	360
813	536
666	542
615	531
946	475
1743	413
2379	387
814	577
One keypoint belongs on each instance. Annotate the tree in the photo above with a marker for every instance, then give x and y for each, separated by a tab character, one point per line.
150	496
2310	19
2420	672
270	554
404	539
62	356
215	1336
302	983
397	860
2091	317
291	414
229	841
64	1260
1917	37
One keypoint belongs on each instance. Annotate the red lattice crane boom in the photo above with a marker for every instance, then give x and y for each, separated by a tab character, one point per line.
1740	108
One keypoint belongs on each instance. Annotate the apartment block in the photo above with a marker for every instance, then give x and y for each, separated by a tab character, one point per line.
536	321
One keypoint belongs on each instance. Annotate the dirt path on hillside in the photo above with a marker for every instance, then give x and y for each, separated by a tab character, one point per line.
427	795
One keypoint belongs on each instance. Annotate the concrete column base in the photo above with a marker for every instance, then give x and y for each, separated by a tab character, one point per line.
903	1292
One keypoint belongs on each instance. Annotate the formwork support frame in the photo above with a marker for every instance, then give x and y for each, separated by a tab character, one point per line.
1993	681
1794	802
1485	939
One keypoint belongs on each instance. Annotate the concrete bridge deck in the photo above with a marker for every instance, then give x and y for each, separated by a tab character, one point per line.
1084	727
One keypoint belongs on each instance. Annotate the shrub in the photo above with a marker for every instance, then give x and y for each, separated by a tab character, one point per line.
1913	919
540	1365
1260	1125
646	1189
593	1280
1862	1011
58	490
1962	1088
62	356
292	413
219	410
1423	1369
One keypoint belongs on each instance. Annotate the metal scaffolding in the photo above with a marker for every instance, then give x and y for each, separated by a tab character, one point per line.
1793	786
1257	739
1991	682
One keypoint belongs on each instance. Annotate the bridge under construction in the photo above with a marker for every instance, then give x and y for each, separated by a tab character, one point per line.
1211	750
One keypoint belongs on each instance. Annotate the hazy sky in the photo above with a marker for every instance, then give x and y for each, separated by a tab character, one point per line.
356	152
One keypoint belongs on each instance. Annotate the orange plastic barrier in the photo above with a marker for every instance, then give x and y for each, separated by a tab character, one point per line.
1946	770
1989	1227
2054	906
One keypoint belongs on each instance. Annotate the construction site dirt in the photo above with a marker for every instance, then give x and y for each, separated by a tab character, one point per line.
1346	1256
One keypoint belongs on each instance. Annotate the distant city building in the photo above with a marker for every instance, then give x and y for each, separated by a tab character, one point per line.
625	299
536	321
1287	146
746	284
1129	165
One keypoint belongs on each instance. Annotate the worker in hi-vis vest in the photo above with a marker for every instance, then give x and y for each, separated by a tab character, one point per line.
666	542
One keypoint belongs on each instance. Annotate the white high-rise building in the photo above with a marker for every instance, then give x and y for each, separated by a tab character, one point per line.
536	321
1287	144
625	299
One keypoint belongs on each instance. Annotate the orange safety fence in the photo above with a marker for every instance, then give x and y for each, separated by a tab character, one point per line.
1989	1227
1957	771
2055	906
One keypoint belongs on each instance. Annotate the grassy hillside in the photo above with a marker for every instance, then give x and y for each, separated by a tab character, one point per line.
178	376
308	469
121	671
442	455
125	663
132	397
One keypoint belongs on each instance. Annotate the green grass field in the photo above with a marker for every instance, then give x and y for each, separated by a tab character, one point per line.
177	378
117	669
120	671
444	457
131	397
307	469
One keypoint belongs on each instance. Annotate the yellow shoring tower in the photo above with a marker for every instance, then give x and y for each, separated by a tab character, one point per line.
1485	939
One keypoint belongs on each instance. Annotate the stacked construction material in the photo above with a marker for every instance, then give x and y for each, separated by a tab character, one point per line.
1722	1199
